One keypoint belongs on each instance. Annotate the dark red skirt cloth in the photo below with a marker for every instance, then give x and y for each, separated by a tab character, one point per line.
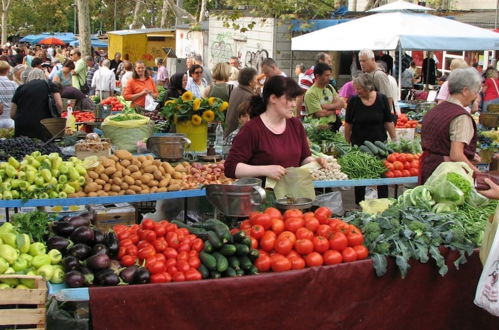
346	296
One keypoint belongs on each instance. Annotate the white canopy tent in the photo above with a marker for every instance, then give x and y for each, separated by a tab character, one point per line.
400	5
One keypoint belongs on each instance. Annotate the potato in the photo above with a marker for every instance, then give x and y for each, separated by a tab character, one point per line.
135	188
146	178
124	186
145	190
150	169
113	193
133	168
149	157
153	183
99	187
146	163
123	154
180	168
178	175
126	171
157	175
119	167
101	193
107	187
164	182
162	189
128	192
122	192
99	169
128	179
125	163
91	187
162	170
110	170
136	162
104	177
174	187
117	181
117	174
92	194
156	162
108	162
113	157
88	180
100	182
153	190
115	188
136	175
141	158
93	175
169	169
138	182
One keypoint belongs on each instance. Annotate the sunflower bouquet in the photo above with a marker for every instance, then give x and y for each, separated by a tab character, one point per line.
195	110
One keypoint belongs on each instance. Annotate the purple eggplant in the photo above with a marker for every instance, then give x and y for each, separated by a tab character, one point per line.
83	234
58	243
65	218
128	274
100	249
78	221
112	243
62	228
142	276
107	277
71	263
99	237
80	251
98	261
75	279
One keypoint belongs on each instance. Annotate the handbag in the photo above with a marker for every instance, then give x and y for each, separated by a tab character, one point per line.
54	112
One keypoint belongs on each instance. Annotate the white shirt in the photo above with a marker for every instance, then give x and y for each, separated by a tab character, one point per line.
124	80
395	91
104	80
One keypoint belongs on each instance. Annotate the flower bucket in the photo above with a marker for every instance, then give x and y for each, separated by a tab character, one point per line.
197	134
486	156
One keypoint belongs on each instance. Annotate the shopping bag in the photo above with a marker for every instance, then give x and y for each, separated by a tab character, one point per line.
488	236
332	200
150	105
487	292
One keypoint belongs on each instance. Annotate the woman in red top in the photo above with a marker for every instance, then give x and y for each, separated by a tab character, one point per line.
490	88
273	139
139	86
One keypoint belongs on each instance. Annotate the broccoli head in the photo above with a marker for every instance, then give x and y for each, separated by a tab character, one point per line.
372	230
382	248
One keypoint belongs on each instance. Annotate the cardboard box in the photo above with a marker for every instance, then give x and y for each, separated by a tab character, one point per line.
405	133
105	216
11	211
64	209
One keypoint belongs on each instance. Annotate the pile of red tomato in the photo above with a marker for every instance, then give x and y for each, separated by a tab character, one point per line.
404	122
81	116
401	165
295	240
170	253
115	104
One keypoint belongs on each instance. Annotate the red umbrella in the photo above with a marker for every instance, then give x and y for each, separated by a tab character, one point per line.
51	41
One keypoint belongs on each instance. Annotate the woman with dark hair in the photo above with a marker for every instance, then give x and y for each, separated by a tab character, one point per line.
139	86
64	76
196	83
273	139
178	82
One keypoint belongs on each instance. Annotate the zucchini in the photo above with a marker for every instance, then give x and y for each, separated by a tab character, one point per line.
215	274
230	272
381	145
234	262
228	250
239	272
214	240
252	271
253	254
208	247
245	262
222	262
372	147
208	260
238	237
205	273
199	232
247	241
365	149
242	249
220	228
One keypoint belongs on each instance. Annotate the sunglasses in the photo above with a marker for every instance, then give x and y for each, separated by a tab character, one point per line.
198	72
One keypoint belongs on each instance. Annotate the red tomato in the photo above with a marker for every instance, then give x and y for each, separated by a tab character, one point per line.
324	231
332	257
193	275
263	263
170	262
156	267
147	224
273	213
389	174
160	244
246	224
398	165
406	173
183	256
355	239
194	262
389	166
252	217
172	239
293	223
257	231
349	254
268	240
283	245
361	252
414	171
321	244
304	246
178	277
170	227
291	254
263	220
308	215
160	257
183	232
294	213
407	165
391	158
281	264
254	243
143	244
132	250
184	247
314	259
159	229
172	270
338	242
182	265
289	235
304	233
170	252
146	252
297	262
322	214
128	260
163	277
312	224
415	164
277	226
397	174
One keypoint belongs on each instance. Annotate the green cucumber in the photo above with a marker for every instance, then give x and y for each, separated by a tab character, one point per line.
230	272
252	271
208	260
247	241
242	249
239	237
199	232
253	254
234	262
228	250
220	228
215	274
245	262
372	147
365	149
222	262
239	272
382	146
205	273
208	247
214	240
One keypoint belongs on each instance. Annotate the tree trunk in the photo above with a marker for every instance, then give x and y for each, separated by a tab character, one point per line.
181	13
84	27
136	13
202	10
372	4
164	14
5	12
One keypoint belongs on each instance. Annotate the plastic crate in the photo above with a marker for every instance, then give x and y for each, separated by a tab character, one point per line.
28	305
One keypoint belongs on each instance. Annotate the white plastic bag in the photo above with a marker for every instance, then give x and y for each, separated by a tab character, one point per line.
487	292
150	104
332	200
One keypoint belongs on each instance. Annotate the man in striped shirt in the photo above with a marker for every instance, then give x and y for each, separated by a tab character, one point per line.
7	89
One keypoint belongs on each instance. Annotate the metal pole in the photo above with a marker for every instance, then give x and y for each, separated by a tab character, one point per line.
400	73
115	15
74	17
497	9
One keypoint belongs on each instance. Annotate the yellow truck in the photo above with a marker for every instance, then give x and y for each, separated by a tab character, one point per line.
141	44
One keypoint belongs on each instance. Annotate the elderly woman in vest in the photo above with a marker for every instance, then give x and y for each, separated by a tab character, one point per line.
449	131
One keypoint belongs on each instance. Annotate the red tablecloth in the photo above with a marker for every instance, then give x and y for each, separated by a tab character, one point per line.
346	296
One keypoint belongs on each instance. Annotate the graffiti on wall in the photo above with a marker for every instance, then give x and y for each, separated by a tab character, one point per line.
255	59
221	48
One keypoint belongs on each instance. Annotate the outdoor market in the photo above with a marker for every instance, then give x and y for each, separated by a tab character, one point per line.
351	184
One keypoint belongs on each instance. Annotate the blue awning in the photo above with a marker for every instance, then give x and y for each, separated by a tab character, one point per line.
94	43
314	24
67	37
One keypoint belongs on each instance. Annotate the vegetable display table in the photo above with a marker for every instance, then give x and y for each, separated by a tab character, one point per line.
345	296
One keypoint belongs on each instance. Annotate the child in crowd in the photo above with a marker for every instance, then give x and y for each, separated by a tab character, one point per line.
243	117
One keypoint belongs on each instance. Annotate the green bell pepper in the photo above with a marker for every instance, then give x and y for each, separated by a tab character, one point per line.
46	271
20	264
39	181
4	265
46	174
13	162
64	168
69	189
26	257
55	256
62	194
30	176
10	281
22	287
29	283
73	173
62	178
15	194
10	171
9	238
7	227
7	195
80	169
40	260
4	286
37	249
8	253
58	275
23	242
